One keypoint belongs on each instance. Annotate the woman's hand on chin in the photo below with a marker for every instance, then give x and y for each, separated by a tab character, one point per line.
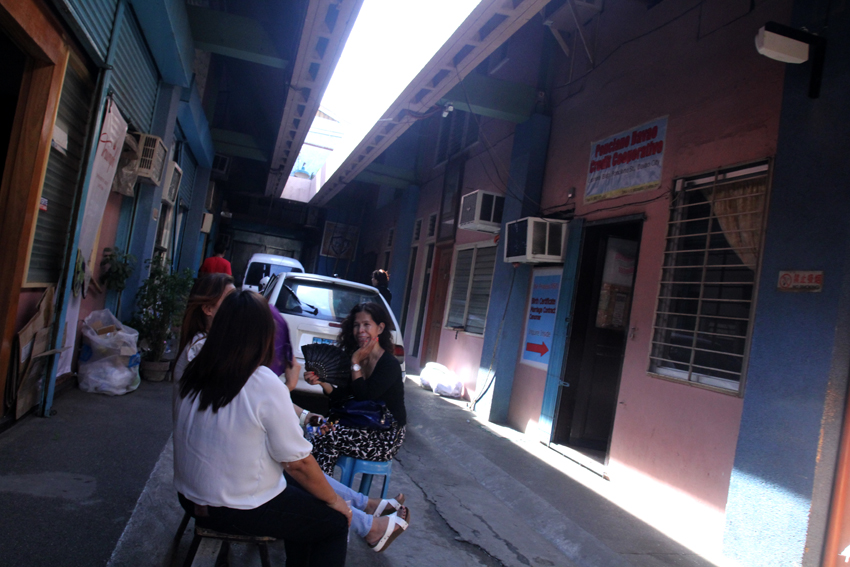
363	352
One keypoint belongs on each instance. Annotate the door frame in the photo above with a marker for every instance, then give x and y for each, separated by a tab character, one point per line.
433	308
564	322
39	35
582	325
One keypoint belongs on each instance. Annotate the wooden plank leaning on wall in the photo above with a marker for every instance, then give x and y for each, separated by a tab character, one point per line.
39	35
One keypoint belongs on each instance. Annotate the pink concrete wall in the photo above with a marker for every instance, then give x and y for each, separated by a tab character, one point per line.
108	229
673	444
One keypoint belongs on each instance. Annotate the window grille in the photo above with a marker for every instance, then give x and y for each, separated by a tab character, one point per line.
470	295
708	281
417	230
432	225
390	236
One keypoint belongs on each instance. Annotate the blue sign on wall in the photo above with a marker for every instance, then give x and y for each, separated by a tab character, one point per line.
540	319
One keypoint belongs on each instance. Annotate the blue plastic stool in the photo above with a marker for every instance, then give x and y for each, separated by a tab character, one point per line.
351	466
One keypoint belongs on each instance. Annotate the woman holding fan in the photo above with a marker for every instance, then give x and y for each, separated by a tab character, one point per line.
375	375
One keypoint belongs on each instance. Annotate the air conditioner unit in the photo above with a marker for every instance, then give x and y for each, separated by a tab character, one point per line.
171	187
206	223
535	240
481	211
152	160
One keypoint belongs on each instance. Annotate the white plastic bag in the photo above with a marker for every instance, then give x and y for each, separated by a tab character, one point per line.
441	380
109	362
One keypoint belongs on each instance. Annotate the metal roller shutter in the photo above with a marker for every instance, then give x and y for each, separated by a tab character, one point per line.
61	181
96	17
136	79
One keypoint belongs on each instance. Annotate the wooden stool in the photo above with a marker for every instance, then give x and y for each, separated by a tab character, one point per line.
226	539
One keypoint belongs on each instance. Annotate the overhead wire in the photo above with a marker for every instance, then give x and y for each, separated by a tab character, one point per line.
699	37
488	146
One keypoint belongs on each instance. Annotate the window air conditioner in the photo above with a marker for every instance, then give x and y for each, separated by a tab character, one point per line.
482	211
152	163
535	240
171	187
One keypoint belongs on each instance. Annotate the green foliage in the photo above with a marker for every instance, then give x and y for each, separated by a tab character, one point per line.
160	303
120	267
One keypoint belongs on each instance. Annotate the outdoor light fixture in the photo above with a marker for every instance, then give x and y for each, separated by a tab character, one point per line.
448	108
789	45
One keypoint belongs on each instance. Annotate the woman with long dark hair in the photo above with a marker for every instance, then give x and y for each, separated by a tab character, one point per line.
375	375
203	303
241	464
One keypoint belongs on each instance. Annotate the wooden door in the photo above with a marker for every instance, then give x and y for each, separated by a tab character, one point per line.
437	303
597	347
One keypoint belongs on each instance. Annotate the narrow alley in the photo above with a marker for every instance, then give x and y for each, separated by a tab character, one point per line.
479	496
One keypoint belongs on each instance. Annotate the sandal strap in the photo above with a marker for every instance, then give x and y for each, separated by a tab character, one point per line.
394	521
379	511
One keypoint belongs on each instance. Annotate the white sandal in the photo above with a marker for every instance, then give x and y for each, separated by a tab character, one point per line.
394	520
395	503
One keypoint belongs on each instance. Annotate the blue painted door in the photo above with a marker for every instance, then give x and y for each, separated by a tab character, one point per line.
563	326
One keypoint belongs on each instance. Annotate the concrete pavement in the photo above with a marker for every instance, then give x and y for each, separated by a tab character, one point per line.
479	496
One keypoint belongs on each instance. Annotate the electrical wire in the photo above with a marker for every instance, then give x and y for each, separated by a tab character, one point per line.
521	198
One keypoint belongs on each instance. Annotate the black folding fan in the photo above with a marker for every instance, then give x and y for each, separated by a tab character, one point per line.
329	362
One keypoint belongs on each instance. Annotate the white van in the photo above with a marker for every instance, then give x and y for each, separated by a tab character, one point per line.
266	265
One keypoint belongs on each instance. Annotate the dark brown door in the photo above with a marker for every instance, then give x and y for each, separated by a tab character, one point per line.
603	301
437	303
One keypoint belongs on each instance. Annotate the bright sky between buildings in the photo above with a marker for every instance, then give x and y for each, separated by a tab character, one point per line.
391	41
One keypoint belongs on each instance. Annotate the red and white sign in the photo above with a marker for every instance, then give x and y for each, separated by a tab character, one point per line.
800	280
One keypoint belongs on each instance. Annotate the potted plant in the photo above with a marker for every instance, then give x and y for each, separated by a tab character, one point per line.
116	267
160	303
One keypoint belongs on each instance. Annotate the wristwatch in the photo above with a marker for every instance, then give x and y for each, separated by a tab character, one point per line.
355	367
303	419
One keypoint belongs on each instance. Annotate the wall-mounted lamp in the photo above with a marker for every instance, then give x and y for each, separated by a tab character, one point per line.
789	45
571	192
448	108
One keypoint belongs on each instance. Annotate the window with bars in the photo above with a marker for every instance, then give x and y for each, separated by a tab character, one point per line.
417	230
470	293
390	237
458	131
708	281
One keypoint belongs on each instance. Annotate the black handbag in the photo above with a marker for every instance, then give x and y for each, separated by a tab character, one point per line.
363	414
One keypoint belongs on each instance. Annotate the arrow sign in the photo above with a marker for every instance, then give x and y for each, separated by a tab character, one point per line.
534	347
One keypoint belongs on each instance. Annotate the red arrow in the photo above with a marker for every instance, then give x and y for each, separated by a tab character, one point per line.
534	347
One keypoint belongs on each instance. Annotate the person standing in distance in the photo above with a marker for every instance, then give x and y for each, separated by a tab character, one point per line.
216	264
380	280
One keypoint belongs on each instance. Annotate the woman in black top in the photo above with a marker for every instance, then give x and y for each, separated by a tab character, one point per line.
375	375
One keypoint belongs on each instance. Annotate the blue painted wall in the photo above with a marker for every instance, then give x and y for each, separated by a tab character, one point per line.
148	198
510	285
400	261
799	355
190	248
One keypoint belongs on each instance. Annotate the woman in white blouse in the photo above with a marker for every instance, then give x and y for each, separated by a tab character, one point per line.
241	464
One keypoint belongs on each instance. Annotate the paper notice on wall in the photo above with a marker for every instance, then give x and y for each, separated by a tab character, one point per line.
103	172
540	318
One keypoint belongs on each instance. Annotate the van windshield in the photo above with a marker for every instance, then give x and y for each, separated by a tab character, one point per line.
322	300
259	270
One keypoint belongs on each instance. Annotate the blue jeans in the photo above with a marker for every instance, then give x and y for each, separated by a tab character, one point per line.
361	522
